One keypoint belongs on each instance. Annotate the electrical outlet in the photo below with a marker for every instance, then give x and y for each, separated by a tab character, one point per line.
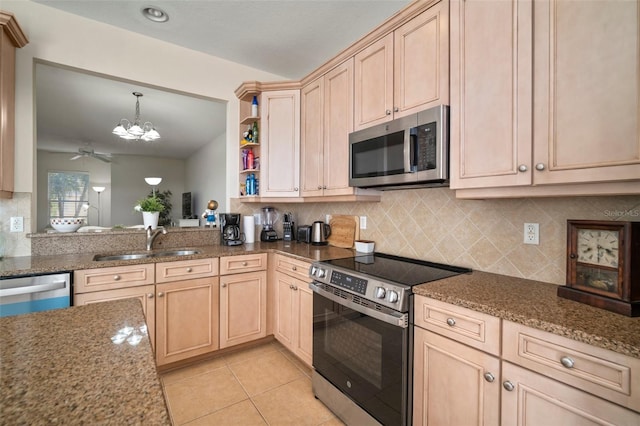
257	217
532	233
363	222
17	224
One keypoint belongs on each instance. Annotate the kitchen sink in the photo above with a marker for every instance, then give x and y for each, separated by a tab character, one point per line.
133	256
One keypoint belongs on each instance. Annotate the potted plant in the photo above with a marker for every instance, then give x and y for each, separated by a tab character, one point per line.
150	208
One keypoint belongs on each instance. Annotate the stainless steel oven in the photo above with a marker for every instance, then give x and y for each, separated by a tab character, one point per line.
362	336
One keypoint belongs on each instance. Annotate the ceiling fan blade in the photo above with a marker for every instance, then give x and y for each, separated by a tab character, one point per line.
75	157
102	158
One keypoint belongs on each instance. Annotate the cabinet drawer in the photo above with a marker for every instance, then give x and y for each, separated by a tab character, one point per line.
605	373
186	269
98	279
476	329
293	267
244	263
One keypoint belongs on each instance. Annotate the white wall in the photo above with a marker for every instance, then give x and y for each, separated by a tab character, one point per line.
99	175
63	38
203	177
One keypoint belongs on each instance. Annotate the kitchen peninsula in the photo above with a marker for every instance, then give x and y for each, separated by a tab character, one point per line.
67	366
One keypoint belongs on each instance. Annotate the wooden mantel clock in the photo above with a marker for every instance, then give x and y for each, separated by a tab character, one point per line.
603	265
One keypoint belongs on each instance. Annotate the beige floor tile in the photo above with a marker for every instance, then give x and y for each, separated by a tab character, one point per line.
333	422
292	404
306	370
241	414
197	396
264	372
245	354
193	370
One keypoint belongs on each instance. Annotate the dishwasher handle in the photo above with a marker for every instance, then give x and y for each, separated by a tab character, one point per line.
29	289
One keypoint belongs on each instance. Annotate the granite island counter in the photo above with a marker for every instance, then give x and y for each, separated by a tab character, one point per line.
62	367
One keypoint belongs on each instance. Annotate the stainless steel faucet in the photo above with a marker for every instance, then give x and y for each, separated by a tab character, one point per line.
151	235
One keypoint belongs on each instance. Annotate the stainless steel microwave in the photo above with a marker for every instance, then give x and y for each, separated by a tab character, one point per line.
408	151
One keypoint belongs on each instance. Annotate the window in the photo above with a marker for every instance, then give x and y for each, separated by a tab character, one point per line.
68	194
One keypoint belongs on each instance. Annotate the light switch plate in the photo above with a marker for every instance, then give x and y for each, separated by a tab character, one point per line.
363	222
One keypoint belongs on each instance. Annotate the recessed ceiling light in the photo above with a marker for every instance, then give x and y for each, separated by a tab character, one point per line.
154	14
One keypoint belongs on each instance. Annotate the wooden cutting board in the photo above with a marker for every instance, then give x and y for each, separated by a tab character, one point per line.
345	229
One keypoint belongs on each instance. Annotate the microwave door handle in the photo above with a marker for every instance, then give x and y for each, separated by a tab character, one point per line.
411	141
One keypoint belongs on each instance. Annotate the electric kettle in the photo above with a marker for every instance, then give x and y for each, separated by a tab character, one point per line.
320	231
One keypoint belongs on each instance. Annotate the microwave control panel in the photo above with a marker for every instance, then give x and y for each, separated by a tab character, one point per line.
426	147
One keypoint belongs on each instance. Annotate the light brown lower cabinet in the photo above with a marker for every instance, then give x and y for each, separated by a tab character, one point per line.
454	384
533	399
186	319
243	308
294	312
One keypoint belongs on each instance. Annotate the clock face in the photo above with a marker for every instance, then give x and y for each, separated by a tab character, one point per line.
598	247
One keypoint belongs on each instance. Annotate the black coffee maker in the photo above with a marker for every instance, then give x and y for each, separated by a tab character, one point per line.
230	229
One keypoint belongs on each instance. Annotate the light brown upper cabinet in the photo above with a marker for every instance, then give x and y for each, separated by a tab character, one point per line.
326	121
280	144
555	102
404	72
11	37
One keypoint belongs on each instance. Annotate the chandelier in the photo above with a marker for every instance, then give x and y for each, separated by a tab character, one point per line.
134	131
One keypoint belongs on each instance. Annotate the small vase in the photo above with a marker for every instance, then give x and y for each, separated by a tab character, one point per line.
150	219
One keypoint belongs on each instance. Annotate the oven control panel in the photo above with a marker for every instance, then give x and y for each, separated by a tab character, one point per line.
381	292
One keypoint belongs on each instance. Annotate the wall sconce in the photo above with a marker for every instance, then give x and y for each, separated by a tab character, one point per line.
153	181
98	189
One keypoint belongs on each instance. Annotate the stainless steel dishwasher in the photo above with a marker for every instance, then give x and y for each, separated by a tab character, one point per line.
21	295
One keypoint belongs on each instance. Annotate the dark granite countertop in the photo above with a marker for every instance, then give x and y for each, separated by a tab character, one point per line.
26	265
536	304
62	367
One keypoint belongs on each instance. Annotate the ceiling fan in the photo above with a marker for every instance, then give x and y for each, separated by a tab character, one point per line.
84	152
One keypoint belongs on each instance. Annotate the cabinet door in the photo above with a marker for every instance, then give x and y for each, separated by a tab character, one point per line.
311	134
280	162
586	91
421	61
186	319
491	93
145	294
284	310
451	383
303	344
538	400
338	123
243	308
373	84
7	114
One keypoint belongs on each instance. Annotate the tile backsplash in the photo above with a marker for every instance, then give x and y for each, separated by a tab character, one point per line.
15	243
486	235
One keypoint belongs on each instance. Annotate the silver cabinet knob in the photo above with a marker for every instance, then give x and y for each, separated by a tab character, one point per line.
396	109
189	269
319	187
508	385
451	322
161	294
295	287
388	112
540	166
116	277
295	189
522	168
489	377
244	263
324	187
294	268
224	285
567	362
150	295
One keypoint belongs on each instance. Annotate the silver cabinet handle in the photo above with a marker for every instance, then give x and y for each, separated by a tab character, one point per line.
189	269
522	168
116	277
244	263
489	377
567	362
540	166
451	322
294	268
388	112
508	385
150	295
161	294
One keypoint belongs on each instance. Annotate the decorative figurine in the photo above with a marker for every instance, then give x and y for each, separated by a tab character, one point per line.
210	213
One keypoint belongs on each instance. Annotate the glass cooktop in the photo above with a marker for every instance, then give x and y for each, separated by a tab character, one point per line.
397	269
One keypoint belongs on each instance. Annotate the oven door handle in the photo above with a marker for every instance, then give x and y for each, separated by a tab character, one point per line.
394	318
